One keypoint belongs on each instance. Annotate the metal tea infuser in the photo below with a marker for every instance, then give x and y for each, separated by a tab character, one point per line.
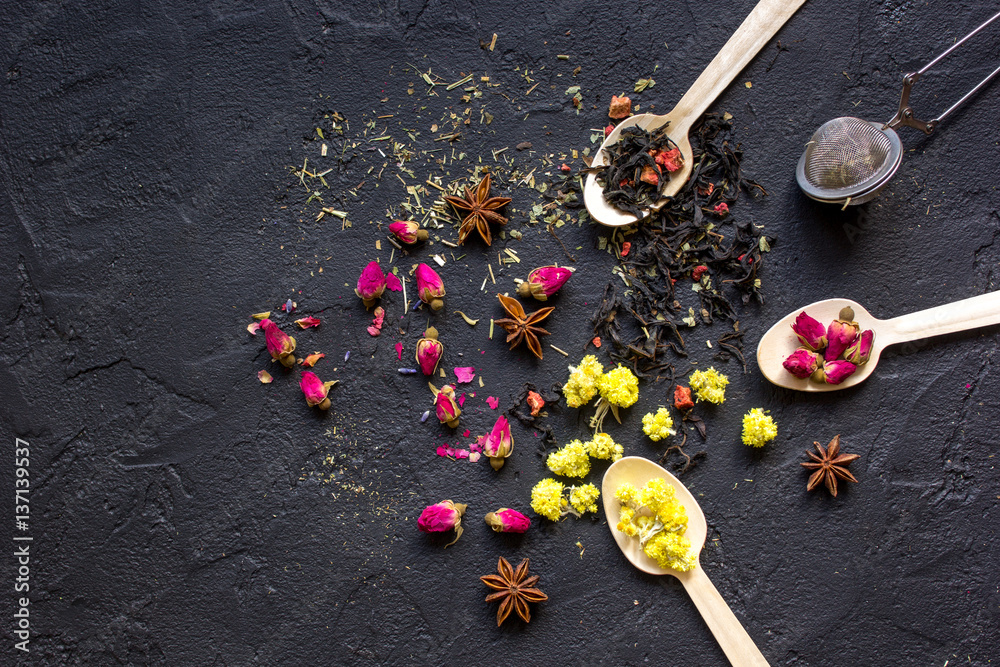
848	160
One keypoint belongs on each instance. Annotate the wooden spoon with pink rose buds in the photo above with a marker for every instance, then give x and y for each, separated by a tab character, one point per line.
720	619
756	30
780	341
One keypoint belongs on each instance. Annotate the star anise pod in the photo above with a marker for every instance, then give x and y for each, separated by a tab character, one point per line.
830	465
521	327
479	210
514	588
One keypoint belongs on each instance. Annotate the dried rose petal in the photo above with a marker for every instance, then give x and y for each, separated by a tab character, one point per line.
376	327
253	328
264	377
465	374
392	282
722	208
307	322
311	360
399	351
493	402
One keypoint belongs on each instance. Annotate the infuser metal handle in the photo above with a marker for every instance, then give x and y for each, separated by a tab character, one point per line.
904	116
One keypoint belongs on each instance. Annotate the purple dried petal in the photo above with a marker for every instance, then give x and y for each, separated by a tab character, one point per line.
408	371
423	417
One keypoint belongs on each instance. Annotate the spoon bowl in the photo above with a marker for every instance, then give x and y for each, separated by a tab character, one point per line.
732	637
780	341
755	31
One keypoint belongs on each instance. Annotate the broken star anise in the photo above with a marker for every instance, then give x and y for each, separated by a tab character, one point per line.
830	465
521	327
514	588
479	209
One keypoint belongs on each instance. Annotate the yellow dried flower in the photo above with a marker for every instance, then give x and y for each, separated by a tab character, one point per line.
658	426
670	550
619	387
709	385
582	383
603	447
655	516
570	461
584	498
758	428
626	493
547	499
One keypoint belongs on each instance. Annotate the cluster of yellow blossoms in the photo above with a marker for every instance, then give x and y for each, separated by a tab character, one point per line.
758	428
573	459
619	386
582	383
658	520
551	499
709	385
658	426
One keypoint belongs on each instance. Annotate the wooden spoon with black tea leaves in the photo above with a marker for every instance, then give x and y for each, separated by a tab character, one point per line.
756	30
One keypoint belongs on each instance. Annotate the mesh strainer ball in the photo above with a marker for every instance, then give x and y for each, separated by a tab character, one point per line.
848	160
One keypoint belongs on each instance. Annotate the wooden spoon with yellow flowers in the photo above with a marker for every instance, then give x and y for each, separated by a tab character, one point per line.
479	210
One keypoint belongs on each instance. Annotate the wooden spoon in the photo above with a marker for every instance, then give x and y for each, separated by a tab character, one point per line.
758	27
780	341
734	640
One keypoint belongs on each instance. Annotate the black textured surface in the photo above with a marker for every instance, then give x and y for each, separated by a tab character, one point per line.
185	514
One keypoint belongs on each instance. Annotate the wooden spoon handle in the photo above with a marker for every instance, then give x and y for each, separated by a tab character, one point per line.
734	640
756	30
978	311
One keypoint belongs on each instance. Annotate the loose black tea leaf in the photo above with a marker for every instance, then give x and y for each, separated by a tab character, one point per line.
694	239
636	168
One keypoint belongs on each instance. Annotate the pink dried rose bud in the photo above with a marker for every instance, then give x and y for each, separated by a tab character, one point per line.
408	232
371	284
840	334
429	351
316	390
442	517
279	344
811	333
620	107
544	281
802	363
499	443
506	520
834	372
861	349
430	287
446	407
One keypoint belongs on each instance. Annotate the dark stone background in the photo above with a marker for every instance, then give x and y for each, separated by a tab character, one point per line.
185	514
